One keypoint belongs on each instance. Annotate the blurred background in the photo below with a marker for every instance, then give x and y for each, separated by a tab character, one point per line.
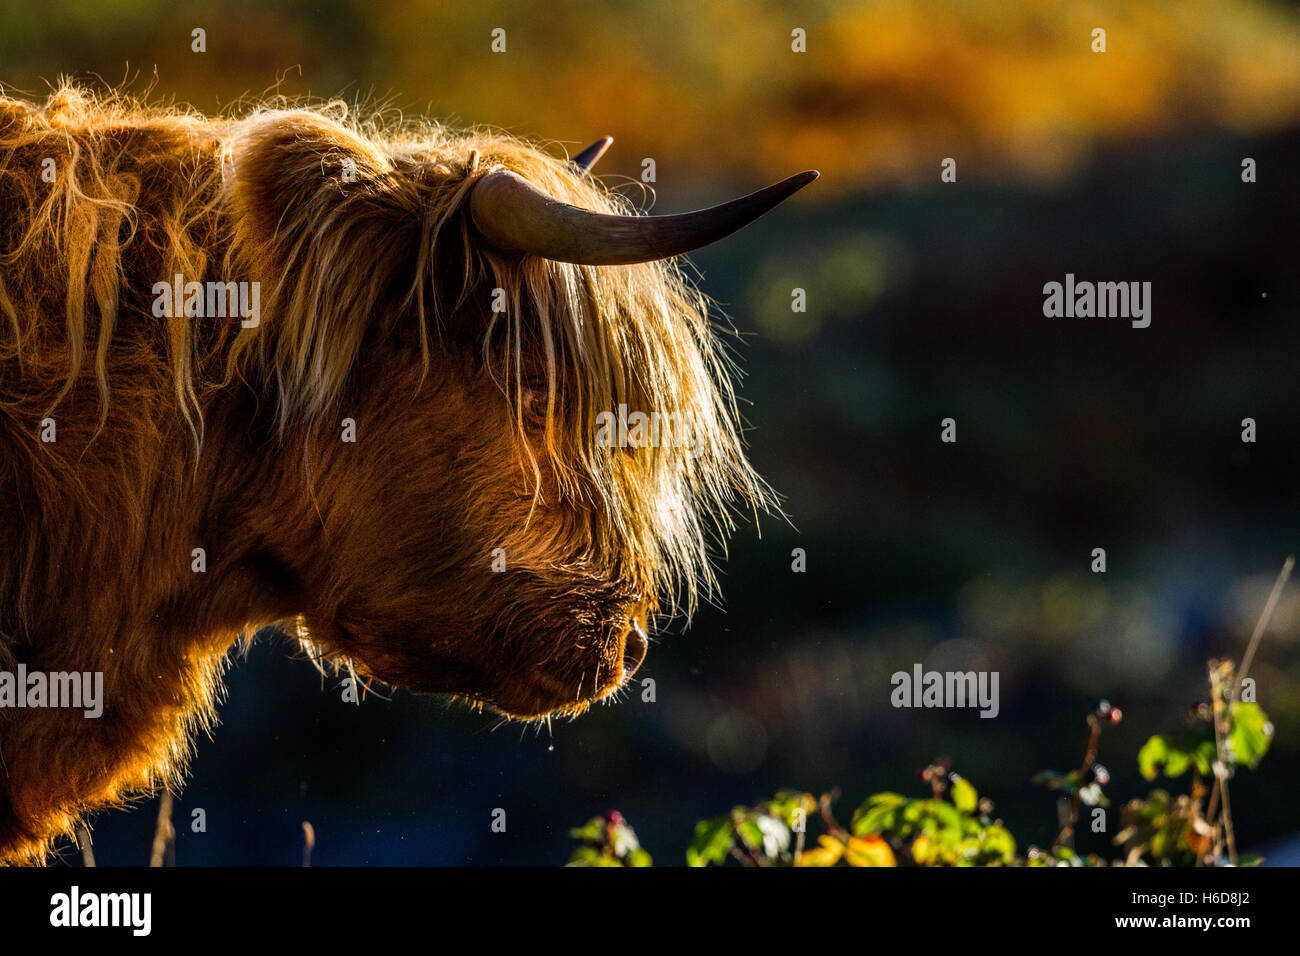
924	302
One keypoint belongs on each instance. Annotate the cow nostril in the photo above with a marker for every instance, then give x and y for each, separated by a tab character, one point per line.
635	647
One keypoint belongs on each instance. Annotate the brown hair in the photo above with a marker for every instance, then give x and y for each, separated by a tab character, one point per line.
139	194
635	335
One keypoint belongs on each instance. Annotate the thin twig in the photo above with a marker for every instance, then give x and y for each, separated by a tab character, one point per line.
1219	693
1067	811
1249	657
832	825
1227	825
744	860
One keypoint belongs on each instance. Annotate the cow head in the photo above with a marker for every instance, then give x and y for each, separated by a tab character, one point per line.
547	448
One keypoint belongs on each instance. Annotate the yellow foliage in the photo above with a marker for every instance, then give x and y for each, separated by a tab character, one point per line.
827	853
870	850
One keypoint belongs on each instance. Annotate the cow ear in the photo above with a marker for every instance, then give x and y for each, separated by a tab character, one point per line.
298	178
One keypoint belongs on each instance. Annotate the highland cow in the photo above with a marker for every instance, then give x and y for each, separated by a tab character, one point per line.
396	462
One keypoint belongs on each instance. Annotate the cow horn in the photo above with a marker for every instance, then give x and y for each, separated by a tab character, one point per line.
516	216
591	155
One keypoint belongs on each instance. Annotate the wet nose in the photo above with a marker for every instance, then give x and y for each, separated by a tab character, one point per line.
635	646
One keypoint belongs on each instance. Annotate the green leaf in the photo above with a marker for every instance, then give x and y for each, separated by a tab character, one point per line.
1175	757
712	841
964	797
999	842
585	856
945	818
1251	733
879	813
750	833
1153	753
1177	762
792	807
592	831
1204	754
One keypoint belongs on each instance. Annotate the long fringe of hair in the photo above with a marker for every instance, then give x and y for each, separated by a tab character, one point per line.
143	192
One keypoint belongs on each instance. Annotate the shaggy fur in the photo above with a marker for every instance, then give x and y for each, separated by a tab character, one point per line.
474	432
